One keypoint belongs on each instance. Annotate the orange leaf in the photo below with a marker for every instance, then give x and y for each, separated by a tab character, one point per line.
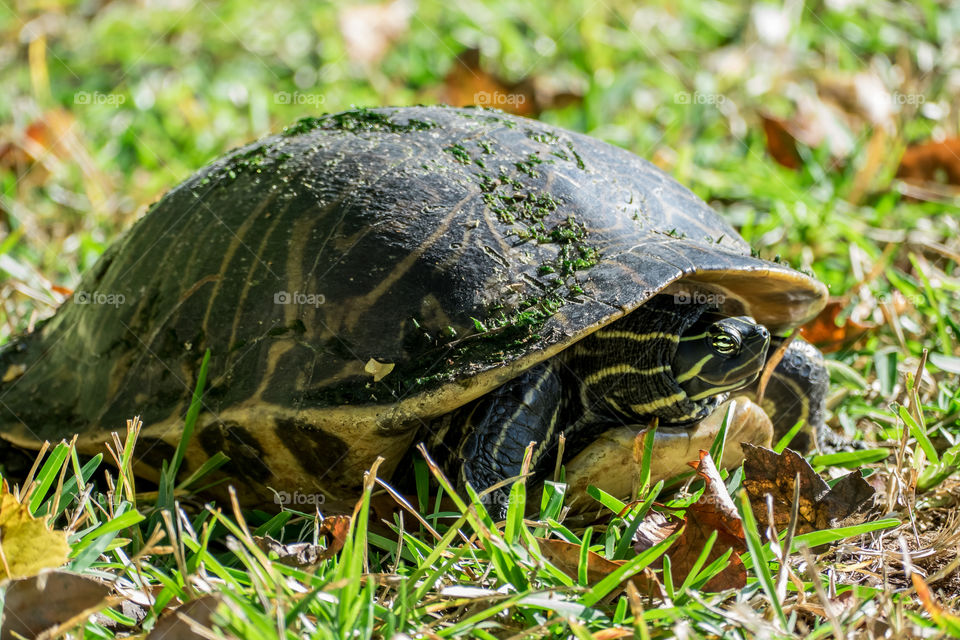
335	530
931	162
781	144
948	621
66	293
824	331
714	511
468	83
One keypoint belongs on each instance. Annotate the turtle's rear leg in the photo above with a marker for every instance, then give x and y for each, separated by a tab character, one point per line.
797	390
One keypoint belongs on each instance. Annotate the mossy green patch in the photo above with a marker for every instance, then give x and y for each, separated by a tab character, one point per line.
518	206
356	121
459	153
252	160
542	136
576	156
529	165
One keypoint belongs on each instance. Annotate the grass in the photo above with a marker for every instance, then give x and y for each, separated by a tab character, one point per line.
104	108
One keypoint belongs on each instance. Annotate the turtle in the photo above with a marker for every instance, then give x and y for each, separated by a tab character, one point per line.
374	278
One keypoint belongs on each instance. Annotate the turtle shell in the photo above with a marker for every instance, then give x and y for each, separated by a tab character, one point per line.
360	274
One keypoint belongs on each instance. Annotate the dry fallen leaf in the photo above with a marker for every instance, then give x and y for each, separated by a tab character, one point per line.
335	530
379	370
814	124
305	554
28	544
566	557
33	605
468	83
39	138
187	621
821	507
947	621
714	511
931	162
827	334
781	143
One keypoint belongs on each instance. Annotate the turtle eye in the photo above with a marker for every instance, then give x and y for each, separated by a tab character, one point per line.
725	343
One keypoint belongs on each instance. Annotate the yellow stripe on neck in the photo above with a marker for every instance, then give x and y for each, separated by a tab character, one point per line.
622	370
654	335
646	408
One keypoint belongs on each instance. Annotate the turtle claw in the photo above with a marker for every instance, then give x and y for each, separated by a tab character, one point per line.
829	442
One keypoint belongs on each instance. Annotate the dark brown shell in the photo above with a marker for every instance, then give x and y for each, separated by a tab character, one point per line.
364	271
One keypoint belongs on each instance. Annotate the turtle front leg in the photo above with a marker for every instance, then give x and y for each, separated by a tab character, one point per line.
797	390
500	426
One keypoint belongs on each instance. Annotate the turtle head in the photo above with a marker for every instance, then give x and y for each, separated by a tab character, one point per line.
719	354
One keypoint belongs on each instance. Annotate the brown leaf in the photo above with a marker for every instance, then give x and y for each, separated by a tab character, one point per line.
369	30
33	605
827	334
931	162
300	554
467	83
654	529
715	507
714	511
335	530
821	507
40	141
814	123
781	144
306	554
180	623
566	557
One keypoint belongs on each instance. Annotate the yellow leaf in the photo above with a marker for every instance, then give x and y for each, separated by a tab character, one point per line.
378	370
29	545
